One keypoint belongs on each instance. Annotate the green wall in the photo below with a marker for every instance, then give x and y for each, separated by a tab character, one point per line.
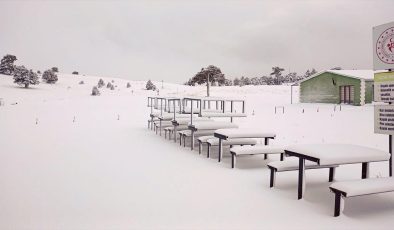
368	91
321	89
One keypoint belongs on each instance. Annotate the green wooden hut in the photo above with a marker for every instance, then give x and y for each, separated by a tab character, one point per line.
354	87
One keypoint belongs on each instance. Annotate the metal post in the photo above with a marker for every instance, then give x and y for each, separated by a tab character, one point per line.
191	113
301	178
391	153
220	149
243	106
231	105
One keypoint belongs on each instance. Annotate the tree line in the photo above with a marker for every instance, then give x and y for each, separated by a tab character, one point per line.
276	77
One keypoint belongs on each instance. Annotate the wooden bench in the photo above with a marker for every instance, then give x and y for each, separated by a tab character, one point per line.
229	142
293	165
359	187
255	150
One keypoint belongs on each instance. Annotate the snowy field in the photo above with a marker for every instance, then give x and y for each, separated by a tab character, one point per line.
69	160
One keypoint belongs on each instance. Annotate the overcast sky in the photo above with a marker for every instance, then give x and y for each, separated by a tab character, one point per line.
172	40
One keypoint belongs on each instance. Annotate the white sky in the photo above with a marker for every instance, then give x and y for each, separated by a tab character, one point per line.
172	40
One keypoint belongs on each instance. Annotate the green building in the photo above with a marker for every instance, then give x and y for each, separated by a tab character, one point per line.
354	87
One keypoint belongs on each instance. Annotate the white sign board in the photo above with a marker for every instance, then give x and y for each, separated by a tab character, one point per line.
384	119
384	87
383	46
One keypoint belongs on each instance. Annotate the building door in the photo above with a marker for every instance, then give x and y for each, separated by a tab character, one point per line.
347	94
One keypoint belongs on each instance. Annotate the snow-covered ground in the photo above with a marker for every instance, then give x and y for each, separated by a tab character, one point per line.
69	160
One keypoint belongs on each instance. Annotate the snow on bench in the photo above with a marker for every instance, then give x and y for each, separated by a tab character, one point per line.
201	140
224	134
211	125
255	150
359	188
188	133
243	133
171	130
229	142
293	165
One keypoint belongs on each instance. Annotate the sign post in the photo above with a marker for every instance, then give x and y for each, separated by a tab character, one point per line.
383	61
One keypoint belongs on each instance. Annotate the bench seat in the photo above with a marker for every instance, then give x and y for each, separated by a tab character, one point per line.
229	142
255	150
188	133
360	188
201	140
292	165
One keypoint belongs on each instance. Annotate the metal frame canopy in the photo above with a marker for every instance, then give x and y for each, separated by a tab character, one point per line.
203	101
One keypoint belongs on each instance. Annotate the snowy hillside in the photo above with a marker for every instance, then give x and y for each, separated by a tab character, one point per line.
69	160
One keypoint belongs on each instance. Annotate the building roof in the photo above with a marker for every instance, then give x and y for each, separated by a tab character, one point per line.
357	74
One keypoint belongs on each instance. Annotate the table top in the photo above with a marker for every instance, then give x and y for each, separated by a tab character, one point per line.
212	125
329	154
242	133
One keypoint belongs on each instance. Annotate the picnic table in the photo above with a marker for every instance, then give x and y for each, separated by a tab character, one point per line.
334	154
225	134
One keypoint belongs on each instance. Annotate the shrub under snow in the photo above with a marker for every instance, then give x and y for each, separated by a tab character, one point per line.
95	91
49	77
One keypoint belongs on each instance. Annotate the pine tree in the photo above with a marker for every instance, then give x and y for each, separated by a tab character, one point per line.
7	64
95	91
49	77
150	85
109	85
128	85
100	83
25	77
55	69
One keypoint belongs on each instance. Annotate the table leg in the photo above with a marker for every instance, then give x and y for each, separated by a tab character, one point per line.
365	170
160	127
301	178
192	141
174	133
220	149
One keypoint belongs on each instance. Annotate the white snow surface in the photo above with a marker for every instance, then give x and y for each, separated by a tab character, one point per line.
244	133
365	187
330	154
69	160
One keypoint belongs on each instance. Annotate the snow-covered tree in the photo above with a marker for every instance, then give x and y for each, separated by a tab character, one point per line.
150	85
100	83
228	82
7	64
55	69
208	75
277	72
25	77
236	81
109	85
128	85
39	72
112	87
49	77
95	91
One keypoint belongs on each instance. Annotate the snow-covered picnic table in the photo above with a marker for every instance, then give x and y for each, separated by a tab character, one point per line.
209	125
225	134
334	154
